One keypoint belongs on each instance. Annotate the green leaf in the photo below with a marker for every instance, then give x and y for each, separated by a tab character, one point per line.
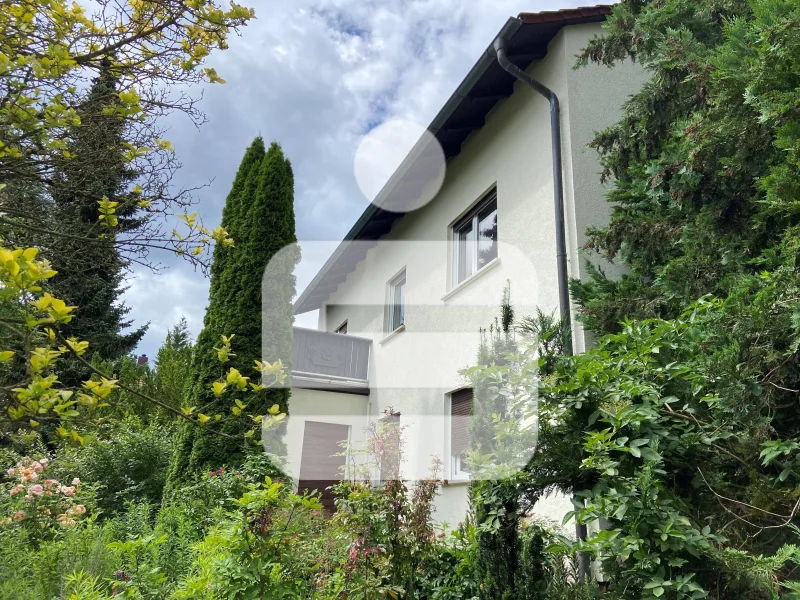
649	454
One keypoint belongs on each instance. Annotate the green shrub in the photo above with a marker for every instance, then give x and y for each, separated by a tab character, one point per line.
200	507
36	574
127	461
257	552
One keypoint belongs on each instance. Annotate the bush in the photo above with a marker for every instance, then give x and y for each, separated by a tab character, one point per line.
257	552
127	462
28	573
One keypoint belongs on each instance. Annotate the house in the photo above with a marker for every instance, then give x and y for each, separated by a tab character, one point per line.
402	299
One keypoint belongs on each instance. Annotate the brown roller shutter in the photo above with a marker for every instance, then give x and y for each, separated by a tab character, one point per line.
461	409
320	468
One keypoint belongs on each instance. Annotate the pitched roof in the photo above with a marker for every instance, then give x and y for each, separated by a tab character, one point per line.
566	14
465	111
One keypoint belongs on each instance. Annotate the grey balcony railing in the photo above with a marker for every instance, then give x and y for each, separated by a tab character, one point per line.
330	361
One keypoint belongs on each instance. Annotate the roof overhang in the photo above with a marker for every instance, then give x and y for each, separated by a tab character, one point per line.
528	36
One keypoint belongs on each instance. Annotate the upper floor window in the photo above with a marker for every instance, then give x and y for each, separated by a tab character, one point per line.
397	302
475	239
342	328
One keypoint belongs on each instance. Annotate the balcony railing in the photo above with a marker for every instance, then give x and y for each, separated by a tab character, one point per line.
330	361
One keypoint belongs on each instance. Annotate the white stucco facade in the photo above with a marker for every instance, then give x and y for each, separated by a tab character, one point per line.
415	369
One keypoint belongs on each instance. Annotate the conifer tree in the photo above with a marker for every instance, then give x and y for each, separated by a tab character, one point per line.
259	215
698	159
172	364
91	275
271	221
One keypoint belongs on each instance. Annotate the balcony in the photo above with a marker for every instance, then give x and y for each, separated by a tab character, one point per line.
330	361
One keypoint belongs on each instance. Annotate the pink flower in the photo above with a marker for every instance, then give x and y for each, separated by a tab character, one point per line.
33	476
37	467
36	490
76	481
64	521
11	472
78	510
51	483
19	515
16	490
44	462
67	491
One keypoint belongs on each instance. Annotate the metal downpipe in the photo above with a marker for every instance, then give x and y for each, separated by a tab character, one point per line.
500	45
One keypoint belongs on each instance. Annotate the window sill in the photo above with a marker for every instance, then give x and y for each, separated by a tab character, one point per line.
457	482
394	333
486	268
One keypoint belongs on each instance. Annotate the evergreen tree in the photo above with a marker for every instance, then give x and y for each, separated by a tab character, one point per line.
172	365
91	275
259	215
269	284
706	170
695	204
178	337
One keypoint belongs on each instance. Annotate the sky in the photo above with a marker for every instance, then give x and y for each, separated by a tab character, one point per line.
317	76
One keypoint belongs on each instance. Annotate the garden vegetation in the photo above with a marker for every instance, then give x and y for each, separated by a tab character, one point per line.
678	433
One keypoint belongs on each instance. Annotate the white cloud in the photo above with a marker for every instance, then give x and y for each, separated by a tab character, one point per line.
162	299
316	75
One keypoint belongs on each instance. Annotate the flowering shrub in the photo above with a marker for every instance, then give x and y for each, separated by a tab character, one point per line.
38	504
392	547
259	552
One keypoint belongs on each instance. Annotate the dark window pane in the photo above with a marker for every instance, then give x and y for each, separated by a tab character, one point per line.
397	303
487	234
401	292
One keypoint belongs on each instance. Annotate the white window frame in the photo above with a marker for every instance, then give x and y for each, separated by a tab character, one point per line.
455	469
472	241
396	295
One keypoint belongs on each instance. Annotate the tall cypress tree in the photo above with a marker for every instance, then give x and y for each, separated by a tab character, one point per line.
259	215
270	284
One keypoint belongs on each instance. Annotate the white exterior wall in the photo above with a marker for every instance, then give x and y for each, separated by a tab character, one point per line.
414	370
595	98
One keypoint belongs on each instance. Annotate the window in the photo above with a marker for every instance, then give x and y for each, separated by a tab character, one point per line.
397	302
342	328
460	411
475	239
321	462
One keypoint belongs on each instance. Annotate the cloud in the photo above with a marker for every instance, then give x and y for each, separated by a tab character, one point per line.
316	76
162	299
